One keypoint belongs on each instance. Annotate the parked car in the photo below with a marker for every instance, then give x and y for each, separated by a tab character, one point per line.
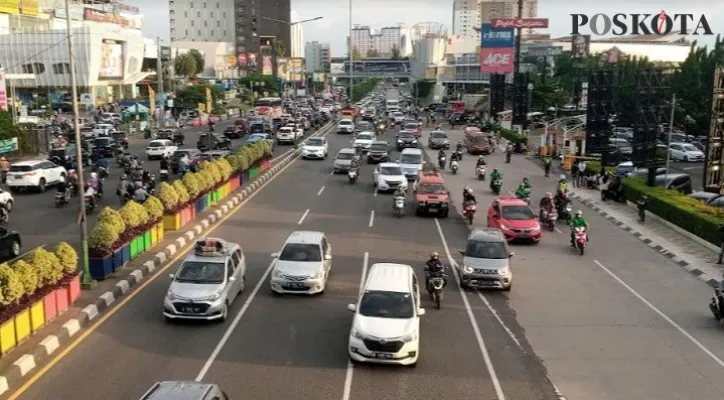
685	152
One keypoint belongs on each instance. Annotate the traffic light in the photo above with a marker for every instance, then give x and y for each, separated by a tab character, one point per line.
254	30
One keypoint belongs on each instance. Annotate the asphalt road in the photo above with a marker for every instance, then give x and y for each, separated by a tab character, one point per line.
40	222
696	170
620	322
295	347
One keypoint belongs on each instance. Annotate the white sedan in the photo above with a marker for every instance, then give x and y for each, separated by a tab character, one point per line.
160	148
389	176
685	152
364	140
316	148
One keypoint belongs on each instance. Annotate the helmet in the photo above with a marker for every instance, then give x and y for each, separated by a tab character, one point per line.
525	179
480	157
94	175
549	195
563	177
434	254
62	179
3	159
71	171
579	213
124	177
495	170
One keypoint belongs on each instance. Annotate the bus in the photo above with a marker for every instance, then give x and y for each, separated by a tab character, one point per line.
269	106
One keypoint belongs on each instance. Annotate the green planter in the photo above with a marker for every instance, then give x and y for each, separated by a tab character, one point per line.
147	240
134	248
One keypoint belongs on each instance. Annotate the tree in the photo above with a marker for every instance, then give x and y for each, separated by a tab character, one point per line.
356	55
547	93
190	96
372	53
199	58
270	82
281	50
395	53
185	65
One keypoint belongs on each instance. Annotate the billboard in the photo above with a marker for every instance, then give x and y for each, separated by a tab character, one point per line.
319	77
3	91
242	58
580	46
266	66
492	38
336	68
10	6
392	66
283	68
111	60
497	61
296	69
491	11
524	23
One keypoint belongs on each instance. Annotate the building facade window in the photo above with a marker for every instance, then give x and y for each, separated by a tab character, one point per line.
61	68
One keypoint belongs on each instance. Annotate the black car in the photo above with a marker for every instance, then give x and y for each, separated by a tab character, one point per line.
193	154
10	244
257	128
233	132
64	156
105	146
379	152
210	141
164	134
404	140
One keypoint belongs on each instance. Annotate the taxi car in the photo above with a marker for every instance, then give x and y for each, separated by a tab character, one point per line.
207	282
431	195
515	219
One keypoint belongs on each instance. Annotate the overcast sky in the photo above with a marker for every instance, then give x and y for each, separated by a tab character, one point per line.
333	28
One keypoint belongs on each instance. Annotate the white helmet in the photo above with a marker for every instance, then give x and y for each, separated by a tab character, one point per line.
579	213
62	179
563	177
94	175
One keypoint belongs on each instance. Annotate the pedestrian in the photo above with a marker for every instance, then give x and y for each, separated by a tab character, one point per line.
547	161
641	205
574	175
721	246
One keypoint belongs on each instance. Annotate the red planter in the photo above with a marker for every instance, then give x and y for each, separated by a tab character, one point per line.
50	306
61	298
73	289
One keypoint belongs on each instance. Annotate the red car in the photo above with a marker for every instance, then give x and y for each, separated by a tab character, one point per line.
514	218
413	126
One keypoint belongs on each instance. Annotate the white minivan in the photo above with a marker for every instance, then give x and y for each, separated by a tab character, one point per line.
386	324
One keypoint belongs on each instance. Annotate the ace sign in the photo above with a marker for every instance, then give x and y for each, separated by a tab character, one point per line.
497	61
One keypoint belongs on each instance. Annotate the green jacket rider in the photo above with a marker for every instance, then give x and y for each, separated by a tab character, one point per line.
495	175
562	184
526	184
522	191
578	221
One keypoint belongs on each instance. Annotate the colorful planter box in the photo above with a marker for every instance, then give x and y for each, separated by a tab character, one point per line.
187	214
140	245
253	172
172	222
7	336
200	204
50	308
121	256
37	316
265	165
74	289
22	325
147	240
160	231
62	299
154	235
243	178
101	268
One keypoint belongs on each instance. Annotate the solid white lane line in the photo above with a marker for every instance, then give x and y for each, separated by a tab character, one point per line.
558	230
232	326
331	172
476	329
662	315
319	193
347	391
500	320
375	193
301	220
372	218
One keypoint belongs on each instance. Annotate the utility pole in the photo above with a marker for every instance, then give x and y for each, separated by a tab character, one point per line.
351	59
668	139
518	33
159	83
87	280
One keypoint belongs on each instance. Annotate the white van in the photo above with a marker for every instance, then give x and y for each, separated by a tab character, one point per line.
411	161
386	324
392	106
102	130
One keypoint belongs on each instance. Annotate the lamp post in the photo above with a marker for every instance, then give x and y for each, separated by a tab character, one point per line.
87	280
351	59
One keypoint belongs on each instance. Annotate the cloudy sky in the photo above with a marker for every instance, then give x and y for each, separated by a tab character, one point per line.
334	26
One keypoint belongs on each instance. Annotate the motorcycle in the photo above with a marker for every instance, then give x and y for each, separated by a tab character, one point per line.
564	213
352	174
454	167
441	162
399	206
495	186
125	197
62	197
469	212
717	305
436	284
480	172
4	215
163	175
459	153
127	168
102	172
548	219
580	238
89	200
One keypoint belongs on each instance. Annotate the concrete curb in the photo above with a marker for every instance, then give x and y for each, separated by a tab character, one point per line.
684	264
26	363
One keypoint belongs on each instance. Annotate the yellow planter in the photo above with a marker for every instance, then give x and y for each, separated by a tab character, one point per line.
172	222
154	235
22	325
7	336
37	316
160	232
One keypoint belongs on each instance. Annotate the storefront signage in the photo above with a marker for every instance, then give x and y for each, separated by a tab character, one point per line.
10	6
8	145
90	14
527	23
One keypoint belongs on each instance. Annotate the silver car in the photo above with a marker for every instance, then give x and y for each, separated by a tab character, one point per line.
343	160
303	264
486	261
207	282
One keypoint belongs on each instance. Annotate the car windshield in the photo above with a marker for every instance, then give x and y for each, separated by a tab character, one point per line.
431	188
201	272
478	139
345	156
257	127
411	159
519	213
379	147
315	142
410	126
382	304
390	171
439	135
56	153
364	136
489	250
689	147
301	252
256	137
345	122
101	142
156	144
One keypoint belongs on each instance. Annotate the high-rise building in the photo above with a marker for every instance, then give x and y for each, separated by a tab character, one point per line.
466	17
383	44
201	21
297	36
317	56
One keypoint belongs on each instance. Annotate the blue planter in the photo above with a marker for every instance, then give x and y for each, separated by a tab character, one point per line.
117	259
244	178
101	268
126	253
200	204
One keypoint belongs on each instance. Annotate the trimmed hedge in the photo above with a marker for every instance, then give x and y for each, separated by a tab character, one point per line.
509	134
683	211
362	89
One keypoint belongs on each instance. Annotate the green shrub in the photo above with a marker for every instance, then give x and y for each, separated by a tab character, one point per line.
103	236
509	134
212	171
265	147
233	161
10	285
183	194
254	153
169	196
225	168
47	265
113	218
133	214
27	275
154	208
205	180
67	256
243	157
192	184
683	211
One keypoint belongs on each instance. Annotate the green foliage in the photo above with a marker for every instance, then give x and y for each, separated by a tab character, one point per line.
183	194
509	134
198	60
244	158
154	208
233	161
192	184
11	286
113	219
185	65
265	147
28	277
212	171
103	236
191	96
206	181
363	88
371	53
548	92
422	89
47	265
169	196
67	256
683	211
224	168
270	82
395	53
356	55
133	214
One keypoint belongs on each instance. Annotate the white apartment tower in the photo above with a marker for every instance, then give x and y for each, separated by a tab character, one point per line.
365	40
201	21
297	46
317	56
466	17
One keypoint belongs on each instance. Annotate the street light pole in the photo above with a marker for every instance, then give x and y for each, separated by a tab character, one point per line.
517	39
159	83
87	280
351	59
668	140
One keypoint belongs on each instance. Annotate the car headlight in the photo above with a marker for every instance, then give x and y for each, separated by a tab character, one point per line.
171	296
504	271
409	338
503	227
214	296
414	141
399	141
276	273
467	269
319	275
357	334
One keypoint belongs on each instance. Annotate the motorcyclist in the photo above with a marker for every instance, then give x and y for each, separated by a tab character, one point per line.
481	162
455	156
183	164
134	162
94	182
126	158
526	184
62	186
523	191
459	147
562	184
400	192
102	163
433	267
140	194
165	163
468	195
546	203
125	186
495	175
441	154
4	164
577	222
354	165
72	177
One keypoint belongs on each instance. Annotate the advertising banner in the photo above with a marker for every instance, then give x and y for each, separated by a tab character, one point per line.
252	61
242	58
111	60
379	66
8	145
336	68
266	68
230	61
152	100
209	100
296	69
580	46
283	68
3	91
90	14
29	7
497	61
10	6
491	11
524	23
76	13
495	38
319	77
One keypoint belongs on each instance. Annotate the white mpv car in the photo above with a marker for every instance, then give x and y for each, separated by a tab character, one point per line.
388	176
